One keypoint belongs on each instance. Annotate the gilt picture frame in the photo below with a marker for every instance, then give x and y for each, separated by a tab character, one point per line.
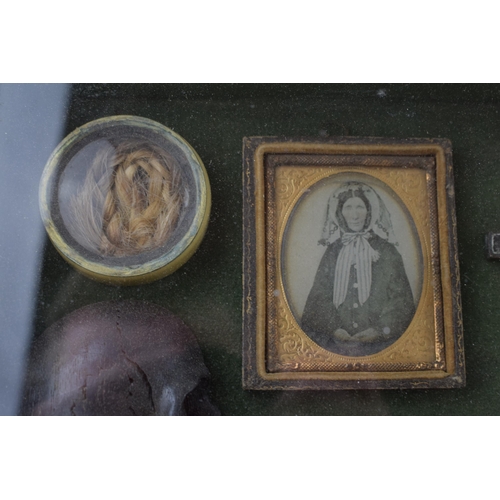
350	265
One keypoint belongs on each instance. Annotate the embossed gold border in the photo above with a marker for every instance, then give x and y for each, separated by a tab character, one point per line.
448	370
430	304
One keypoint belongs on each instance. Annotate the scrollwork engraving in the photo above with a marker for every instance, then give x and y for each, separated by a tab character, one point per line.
417	349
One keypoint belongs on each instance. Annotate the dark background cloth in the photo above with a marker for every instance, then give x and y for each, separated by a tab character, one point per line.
207	292
390	304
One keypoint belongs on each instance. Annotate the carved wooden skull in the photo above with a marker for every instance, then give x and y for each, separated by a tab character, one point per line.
117	358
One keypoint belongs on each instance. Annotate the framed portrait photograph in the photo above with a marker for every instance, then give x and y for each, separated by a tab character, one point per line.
351	277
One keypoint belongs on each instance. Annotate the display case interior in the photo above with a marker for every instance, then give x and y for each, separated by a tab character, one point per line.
206	292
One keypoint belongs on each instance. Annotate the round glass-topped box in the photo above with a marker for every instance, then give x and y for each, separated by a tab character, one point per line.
125	200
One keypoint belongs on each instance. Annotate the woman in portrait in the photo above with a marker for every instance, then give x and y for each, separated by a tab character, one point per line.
361	300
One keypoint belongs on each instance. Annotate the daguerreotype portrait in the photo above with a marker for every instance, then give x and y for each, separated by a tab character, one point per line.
360	299
351	271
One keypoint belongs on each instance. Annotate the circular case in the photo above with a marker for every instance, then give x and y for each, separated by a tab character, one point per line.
125	200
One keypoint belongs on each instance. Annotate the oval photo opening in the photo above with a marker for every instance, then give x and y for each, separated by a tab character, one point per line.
352	264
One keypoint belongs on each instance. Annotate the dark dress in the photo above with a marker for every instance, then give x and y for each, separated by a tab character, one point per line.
389	309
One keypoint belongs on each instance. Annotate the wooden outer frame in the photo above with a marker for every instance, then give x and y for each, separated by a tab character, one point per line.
261	155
